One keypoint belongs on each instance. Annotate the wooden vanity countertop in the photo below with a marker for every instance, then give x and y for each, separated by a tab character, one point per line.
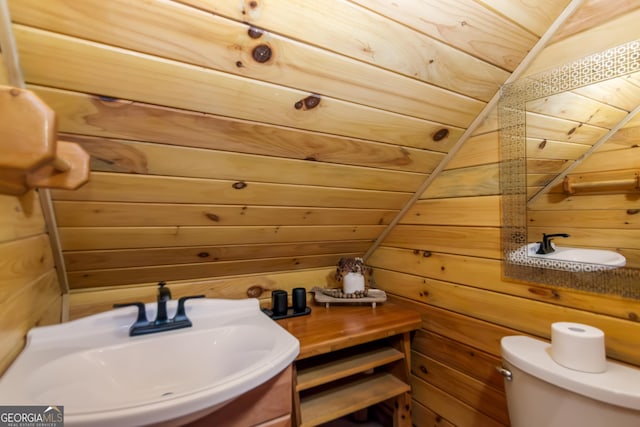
335	327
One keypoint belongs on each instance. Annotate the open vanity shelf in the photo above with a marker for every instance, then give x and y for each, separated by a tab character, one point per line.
352	358
346	382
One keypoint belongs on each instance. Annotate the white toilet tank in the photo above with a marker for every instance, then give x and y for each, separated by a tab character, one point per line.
542	393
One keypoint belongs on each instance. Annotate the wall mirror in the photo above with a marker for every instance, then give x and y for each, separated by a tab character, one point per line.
570	165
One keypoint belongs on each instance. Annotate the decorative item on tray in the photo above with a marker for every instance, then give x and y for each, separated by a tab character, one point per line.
354	275
329	296
339	293
357	285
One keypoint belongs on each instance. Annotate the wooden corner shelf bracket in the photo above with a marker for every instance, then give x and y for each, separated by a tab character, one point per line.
30	154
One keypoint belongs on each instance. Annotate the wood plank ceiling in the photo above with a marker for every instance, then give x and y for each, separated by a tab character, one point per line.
232	137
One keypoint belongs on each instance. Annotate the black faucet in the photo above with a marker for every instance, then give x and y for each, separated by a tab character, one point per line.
164	295
162	323
545	246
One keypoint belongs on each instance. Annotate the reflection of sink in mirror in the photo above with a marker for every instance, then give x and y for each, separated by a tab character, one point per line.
592	256
104	377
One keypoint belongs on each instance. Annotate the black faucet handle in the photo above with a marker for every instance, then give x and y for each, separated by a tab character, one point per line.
142	312
551	236
164	293
545	245
181	313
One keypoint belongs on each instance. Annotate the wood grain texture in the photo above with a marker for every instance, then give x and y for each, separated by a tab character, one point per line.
23	260
453	410
474	241
109	155
111	214
91	301
423	416
177	111
325	370
467	339
518	313
170	30
109	117
258	407
465	270
81	238
360	34
558	129
96	260
21	217
601	218
4	77
466	359
122	74
620	92
29	290
336	327
473	392
561	201
544	148
610	33
474	181
584	109
592	13
127	275
468	26
535	16
478	150
610	161
36	302
484	211
147	188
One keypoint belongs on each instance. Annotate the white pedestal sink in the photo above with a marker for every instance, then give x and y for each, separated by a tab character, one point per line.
104	377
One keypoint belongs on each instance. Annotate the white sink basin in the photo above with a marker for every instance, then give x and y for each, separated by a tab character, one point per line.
104	377
561	254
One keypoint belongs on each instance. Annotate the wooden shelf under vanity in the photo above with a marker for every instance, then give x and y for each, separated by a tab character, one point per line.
343	399
322	373
351	358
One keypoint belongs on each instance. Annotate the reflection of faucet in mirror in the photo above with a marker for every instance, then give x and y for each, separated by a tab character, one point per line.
545	244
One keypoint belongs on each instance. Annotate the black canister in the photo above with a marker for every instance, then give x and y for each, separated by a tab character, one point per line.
279	303
299	300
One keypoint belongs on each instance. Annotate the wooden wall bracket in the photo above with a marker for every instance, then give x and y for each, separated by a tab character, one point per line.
30	154
602	182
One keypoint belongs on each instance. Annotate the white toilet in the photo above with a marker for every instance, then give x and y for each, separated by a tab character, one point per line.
542	393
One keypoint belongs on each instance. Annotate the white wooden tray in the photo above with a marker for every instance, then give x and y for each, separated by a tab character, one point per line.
374	296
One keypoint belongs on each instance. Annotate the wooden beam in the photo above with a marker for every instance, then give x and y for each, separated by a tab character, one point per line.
8	47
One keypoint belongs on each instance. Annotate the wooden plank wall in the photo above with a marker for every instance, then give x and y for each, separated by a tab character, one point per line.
207	163
443	260
29	291
228	138
233	177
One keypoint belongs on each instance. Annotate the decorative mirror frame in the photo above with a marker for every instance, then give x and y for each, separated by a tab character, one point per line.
611	63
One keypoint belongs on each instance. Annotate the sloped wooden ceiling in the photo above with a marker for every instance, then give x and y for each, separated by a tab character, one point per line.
232	137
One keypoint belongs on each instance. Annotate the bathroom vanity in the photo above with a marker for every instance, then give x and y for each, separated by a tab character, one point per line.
265	406
352	357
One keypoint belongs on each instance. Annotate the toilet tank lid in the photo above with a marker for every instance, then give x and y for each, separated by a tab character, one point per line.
619	385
